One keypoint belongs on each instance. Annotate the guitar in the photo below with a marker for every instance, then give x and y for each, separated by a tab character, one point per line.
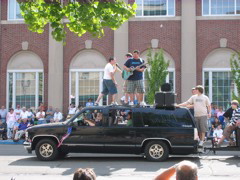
126	74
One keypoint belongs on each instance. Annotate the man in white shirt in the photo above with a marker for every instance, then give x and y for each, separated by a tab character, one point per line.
24	113
202	111
57	115
109	82
41	117
18	111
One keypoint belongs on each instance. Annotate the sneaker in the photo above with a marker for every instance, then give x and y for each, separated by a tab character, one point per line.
131	104
114	104
96	104
143	103
200	143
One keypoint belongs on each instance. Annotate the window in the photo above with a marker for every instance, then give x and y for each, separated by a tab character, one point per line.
85	84
14	10
219	86
90	117
220	7
120	117
25	88
155	8
162	118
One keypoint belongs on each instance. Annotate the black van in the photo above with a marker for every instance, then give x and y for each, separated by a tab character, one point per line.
155	133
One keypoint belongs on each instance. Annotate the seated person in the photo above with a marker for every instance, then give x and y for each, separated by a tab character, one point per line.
3	130
21	129
97	122
215	124
218	133
129	119
234	123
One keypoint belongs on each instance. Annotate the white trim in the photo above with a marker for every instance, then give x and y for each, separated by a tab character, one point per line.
86	70
37	89
25	70
70	87
7	92
77	88
210	85
155	18
217	69
14	91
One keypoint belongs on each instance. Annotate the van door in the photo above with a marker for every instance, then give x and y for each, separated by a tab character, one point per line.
120	134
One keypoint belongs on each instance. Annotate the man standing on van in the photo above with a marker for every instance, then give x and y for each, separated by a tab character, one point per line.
202	111
109	82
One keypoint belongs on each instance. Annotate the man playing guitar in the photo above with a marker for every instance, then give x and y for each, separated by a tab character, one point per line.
135	81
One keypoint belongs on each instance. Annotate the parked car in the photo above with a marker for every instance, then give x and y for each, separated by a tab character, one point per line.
155	133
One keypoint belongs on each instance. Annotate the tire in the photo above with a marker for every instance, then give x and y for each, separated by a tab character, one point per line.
46	150
156	151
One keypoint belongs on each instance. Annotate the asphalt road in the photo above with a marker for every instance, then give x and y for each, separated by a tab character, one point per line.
15	162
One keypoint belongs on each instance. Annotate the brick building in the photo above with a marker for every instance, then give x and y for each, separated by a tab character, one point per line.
197	36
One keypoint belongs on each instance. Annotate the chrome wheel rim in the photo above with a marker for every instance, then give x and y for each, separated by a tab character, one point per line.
156	151
46	150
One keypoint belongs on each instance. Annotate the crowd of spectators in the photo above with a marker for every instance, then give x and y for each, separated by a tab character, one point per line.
14	122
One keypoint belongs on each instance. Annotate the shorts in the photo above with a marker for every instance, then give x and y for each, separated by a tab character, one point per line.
109	87
125	86
229	130
201	123
135	85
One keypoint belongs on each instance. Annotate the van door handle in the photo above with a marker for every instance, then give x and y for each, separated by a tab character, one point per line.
132	132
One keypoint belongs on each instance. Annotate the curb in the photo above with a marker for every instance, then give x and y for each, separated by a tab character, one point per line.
11	142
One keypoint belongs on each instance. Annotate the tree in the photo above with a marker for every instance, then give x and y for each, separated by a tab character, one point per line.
235	70
79	16
156	74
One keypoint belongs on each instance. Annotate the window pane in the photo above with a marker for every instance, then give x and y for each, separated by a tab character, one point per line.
221	88
171	8
11	7
25	89
18	13
41	87
139	8
238	6
155	7
205	7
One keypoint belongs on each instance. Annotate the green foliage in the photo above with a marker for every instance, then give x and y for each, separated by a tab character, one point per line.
156	74
78	17
235	70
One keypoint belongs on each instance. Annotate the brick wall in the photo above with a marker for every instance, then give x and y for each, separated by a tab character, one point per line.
4	6
140	36
12	36
198	7
209	32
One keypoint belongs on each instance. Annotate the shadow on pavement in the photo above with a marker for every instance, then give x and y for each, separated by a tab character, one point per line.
104	166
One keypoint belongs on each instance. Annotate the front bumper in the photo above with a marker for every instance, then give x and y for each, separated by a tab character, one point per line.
28	147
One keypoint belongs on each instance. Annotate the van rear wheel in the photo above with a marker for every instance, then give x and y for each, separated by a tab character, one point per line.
156	151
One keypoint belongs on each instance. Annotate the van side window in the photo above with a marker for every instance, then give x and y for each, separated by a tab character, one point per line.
166	118
120	117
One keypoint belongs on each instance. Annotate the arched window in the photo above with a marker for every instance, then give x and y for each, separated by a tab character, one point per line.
217	77
171	69
86	72
25	80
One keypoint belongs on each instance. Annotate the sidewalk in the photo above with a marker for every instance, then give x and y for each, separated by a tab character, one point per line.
11	142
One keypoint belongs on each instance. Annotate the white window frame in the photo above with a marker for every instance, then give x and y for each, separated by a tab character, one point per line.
211	70
167	15
101	71
210	13
37	71
14	19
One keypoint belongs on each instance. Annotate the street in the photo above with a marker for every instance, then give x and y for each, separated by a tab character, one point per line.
15	162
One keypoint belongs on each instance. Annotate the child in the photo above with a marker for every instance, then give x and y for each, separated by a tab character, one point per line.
3	130
218	133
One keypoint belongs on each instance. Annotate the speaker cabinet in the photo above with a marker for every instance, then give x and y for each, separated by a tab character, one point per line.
165	100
